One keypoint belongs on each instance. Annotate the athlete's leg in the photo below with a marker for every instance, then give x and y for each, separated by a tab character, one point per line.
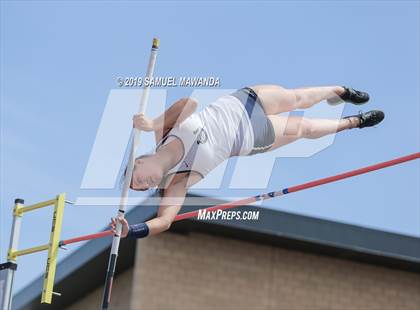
276	99
292	128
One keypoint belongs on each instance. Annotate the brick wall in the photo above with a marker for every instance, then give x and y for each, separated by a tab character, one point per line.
200	271
121	295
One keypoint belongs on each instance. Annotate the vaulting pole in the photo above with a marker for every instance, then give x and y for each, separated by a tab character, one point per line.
126	185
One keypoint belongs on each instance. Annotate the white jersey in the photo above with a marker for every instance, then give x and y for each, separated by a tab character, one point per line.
211	136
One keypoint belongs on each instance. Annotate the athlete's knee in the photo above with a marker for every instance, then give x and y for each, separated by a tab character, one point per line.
298	97
307	128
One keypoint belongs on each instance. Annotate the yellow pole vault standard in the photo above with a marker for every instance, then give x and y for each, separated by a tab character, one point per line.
19	210
49	274
127	180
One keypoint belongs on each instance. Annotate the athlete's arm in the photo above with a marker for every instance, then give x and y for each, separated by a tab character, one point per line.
170	204
173	116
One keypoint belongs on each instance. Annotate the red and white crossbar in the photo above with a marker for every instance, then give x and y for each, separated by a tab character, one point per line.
303	186
86	237
270	195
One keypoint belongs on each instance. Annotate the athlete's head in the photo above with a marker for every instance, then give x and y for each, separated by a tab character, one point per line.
147	173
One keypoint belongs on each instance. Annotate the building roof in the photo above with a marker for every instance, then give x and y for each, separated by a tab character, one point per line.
274	227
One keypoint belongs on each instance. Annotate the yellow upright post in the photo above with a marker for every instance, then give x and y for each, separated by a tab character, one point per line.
52	247
49	275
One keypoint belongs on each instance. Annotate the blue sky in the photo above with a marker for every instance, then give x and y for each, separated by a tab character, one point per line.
60	61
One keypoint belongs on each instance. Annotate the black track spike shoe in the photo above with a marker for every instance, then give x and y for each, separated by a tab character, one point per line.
368	119
351	95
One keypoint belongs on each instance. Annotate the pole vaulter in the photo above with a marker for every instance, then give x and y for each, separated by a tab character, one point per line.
127	180
362	120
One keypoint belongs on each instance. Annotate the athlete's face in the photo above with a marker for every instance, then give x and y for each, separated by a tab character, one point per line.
146	174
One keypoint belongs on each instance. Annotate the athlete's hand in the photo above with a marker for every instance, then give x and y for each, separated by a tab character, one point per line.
124	223
141	122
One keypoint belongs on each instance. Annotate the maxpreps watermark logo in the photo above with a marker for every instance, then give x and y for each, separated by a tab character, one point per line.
227	215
